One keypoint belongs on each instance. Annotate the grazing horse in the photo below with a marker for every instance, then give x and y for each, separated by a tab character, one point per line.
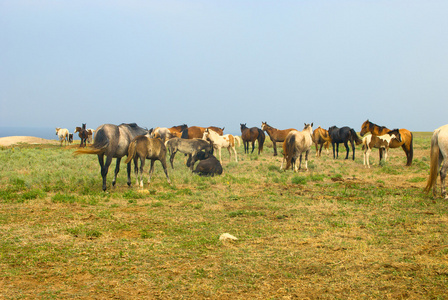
322	138
251	135
343	135
406	138
112	141
196	132
295	144
83	135
218	141
165	133
276	135
438	155
380	142
143	147
187	146
62	134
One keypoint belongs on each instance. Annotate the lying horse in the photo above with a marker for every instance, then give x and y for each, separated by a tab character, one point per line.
295	144
62	134
142	147
250	135
112	141
380	142
406	138
196	132
218	141
83	135
322	138
208	165
343	135
439	155
275	134
187	146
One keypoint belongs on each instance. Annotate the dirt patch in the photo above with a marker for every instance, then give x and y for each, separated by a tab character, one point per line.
14	140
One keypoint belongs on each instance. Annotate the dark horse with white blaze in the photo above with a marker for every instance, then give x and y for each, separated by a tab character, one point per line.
251	135
112	141
343	135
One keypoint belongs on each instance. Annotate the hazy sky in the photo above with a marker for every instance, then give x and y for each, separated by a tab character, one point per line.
165	63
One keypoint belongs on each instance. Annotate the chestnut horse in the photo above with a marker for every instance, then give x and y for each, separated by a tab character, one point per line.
438	154
406	139
196	132
322	138
251	135
276	135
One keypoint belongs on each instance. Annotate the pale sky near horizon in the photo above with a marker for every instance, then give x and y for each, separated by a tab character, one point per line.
165	63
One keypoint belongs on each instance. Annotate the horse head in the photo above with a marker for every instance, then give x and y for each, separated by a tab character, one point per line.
365	127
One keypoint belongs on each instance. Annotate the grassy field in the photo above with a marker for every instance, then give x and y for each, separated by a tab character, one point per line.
338	231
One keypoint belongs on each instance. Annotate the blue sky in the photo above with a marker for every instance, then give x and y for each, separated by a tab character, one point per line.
165	63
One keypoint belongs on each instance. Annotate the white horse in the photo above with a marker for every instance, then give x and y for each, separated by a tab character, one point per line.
380	142
62	134
226	141
295	144
439	154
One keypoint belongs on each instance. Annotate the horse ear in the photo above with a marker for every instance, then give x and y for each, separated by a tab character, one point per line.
312	124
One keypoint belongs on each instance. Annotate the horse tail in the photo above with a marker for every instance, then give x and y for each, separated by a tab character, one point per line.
411	151
237	138
355	136
434	162
261	138
98	147
289	143
131	151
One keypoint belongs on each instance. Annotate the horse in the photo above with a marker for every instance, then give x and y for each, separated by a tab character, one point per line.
70	138
295	144
187	146
250	135
438	155
208	165
112	141
143	147
165	133
90	133
343	135
322	138
83	135
62	134
406	138
275	134
196	132
218	141
381	142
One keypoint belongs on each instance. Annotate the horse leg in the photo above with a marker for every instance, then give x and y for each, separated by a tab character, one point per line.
151	170
136	170
347	149
334	154
117	169
219	150
172	158
367	157
140	171
234	150
253	147
104	167
320	150
275	148
300	162
163	162
306	160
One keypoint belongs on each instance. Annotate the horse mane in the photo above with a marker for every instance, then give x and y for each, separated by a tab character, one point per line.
373	125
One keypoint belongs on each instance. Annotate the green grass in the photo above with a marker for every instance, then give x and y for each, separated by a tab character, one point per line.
337	231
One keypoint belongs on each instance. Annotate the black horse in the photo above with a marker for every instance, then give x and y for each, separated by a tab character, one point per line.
112	141
250	135
343	135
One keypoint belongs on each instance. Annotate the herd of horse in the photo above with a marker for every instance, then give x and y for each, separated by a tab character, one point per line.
198	143
86	135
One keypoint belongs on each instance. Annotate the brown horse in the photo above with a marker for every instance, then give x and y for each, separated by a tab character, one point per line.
177	130
196	132
251	135
322	138
83	134
406	139
276	135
